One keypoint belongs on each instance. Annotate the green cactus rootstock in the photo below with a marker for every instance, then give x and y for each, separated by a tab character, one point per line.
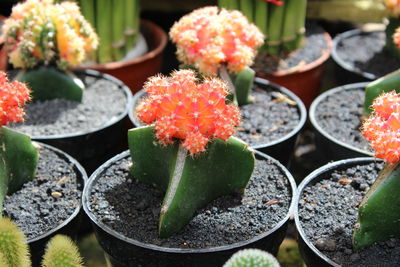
243	82
379	212
14	250
252	258
387	83
61	252
49	83
18	161
190	182
390	29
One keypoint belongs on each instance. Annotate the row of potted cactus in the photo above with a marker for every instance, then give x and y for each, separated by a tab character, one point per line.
188	152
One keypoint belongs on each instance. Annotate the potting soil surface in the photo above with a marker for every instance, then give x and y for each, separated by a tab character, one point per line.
339	114
313	46
102	101
365	53
52	197
132	209
328	212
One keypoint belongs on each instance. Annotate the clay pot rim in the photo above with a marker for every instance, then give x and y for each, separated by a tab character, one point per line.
264	83
338	39
316	176
111	121
131	241
149	55
312	65
312	116
81	175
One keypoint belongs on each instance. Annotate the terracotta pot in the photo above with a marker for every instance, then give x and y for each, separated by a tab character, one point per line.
135	72
304	81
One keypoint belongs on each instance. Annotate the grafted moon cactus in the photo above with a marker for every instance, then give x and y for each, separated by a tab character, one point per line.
18	157
189	151
212	40
379	211
45	39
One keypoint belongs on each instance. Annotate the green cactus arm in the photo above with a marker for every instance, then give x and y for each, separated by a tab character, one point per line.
13	246
261	16
379	211
192	181
243	84
61	252
386	83
275	24
49	83
247	8
18	161
252	257
292	23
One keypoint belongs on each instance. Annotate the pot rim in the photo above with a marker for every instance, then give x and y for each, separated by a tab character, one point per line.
312	65
149	55
81	175
315	124
338	39
126	153
264	83
316	176
113	120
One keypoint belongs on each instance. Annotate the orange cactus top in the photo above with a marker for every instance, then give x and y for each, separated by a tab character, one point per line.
40	32
382	129
185	109
392	7
207	38
12	99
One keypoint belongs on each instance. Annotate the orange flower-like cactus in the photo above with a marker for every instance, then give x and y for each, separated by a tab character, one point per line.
13	96
207	38
392	7
40	32
185	109
382	129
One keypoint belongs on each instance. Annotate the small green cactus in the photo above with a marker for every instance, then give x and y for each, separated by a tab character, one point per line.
61	252
252	258
13	247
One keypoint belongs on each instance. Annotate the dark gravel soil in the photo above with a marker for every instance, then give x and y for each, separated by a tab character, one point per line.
365	53
48	200
132	209
339	115
270	117
314	44
102	101
328	211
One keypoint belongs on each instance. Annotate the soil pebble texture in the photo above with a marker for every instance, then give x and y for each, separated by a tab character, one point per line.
102	101
132	208
328	212
47	201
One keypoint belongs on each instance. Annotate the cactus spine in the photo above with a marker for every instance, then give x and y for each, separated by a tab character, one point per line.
13	247
61	252
252	258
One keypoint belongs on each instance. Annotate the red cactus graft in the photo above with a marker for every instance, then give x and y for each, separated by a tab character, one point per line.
186	109
382	129
13	96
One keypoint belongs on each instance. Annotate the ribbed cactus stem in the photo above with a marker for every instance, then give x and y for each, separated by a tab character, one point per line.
275	25
13	247
379	211
261	16
61	252
132	12
253	258
301	21
386	83
118	21
247	8
104	9
290	21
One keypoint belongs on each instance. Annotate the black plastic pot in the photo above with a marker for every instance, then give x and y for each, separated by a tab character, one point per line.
280	149
93	147
123	251
345	73
68	227
332	148
311	255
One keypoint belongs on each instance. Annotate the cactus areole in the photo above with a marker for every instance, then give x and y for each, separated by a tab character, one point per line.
188	151
379	211
44	40
18	157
